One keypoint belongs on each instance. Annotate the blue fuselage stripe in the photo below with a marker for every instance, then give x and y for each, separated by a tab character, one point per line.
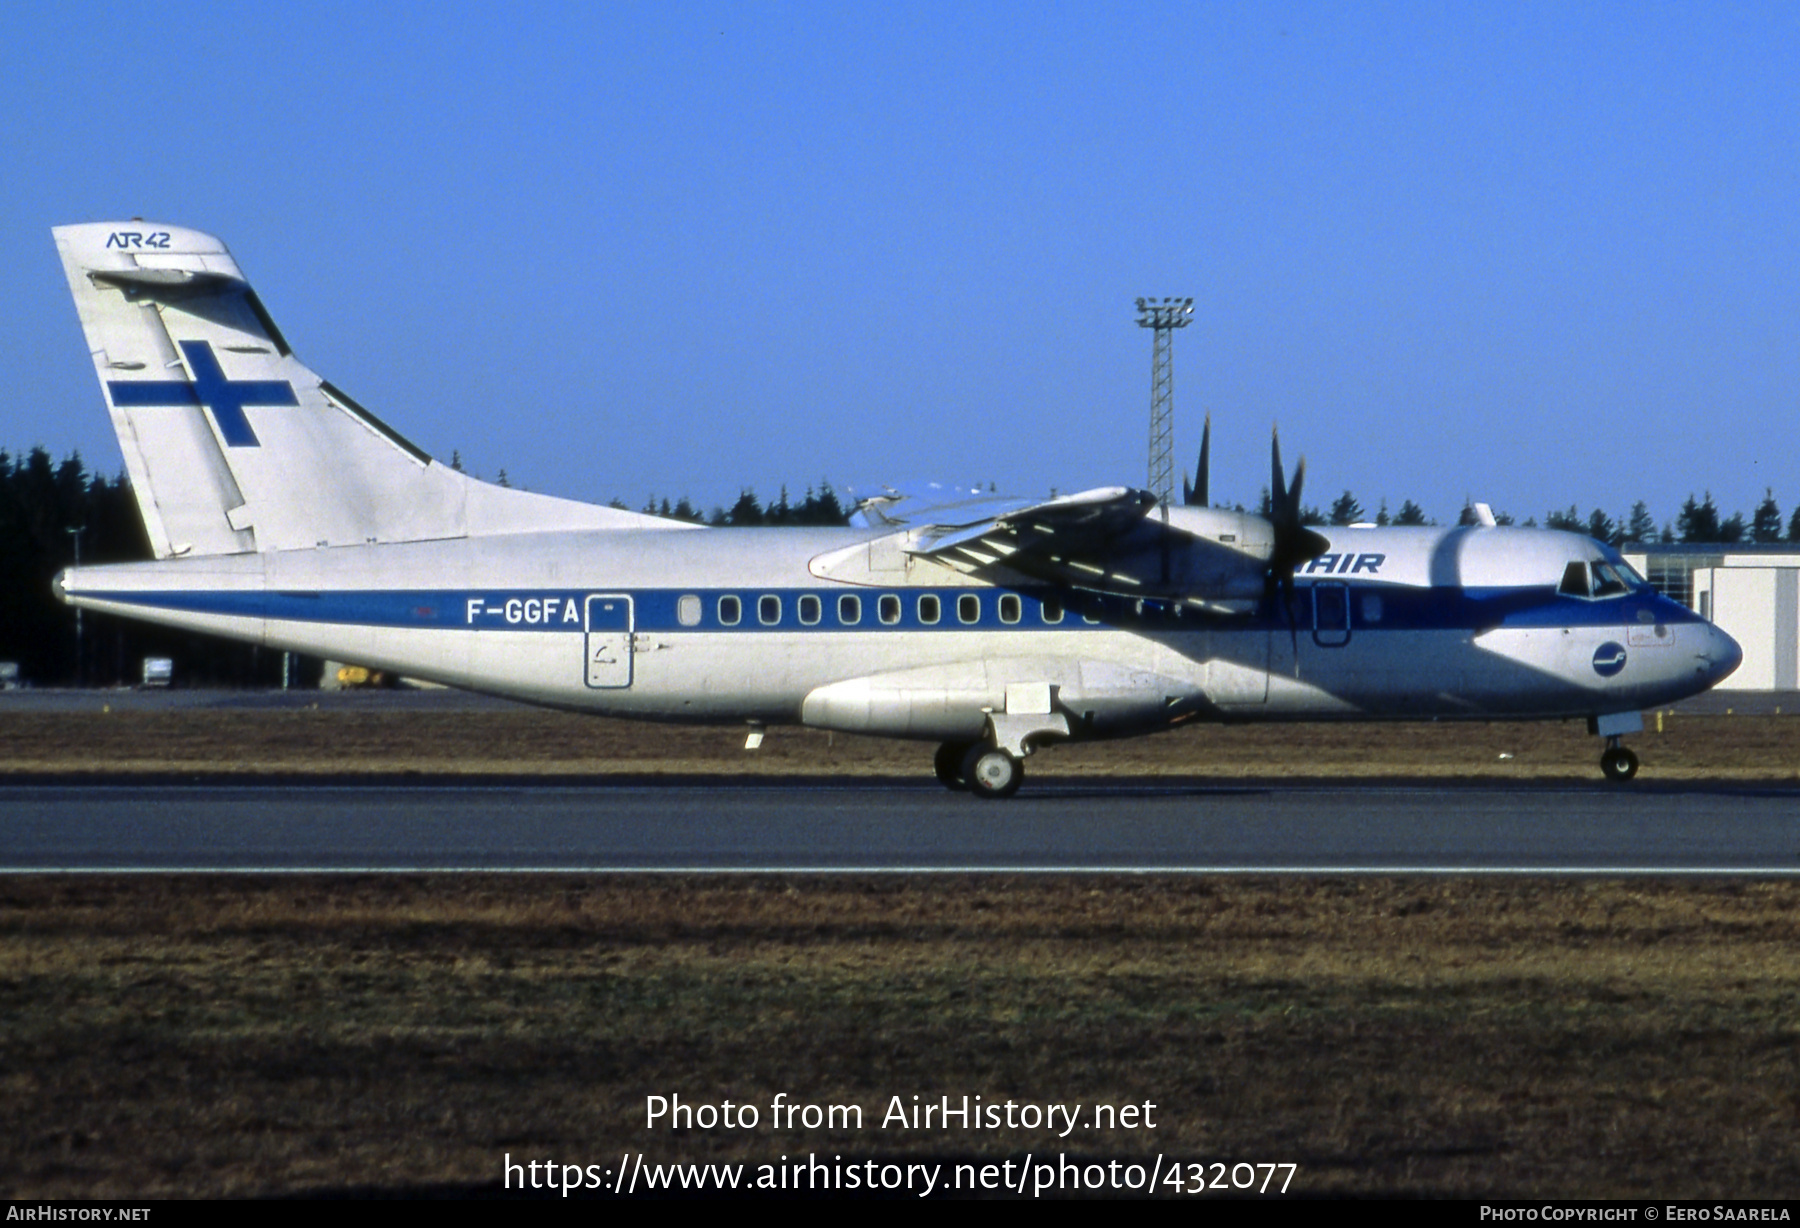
1372	608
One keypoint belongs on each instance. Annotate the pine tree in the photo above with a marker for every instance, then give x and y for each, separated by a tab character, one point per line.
1643	526
1766	527
1601	528
1698	522
1570	520
746	511
1346	510
1411	513
1382	519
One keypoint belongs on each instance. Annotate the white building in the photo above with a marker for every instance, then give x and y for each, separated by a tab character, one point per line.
1752	592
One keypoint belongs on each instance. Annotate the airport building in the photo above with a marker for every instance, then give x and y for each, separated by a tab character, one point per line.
1750	591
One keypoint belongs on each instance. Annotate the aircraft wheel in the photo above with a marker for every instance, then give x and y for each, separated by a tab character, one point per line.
948	764
991	772
1618	763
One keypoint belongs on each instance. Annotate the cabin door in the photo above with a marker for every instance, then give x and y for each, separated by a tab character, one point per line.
608	640
1331	614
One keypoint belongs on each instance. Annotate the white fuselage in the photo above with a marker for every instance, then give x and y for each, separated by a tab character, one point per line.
740	624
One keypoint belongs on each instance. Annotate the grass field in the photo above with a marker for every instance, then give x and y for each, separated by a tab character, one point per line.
211	1036
167	1035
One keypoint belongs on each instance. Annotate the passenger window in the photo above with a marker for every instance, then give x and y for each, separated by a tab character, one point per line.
687	610
1574	581
1051	611
930	610
731	611
888	609
809	608
768	610
1371	607
1009	608
968	608
849	610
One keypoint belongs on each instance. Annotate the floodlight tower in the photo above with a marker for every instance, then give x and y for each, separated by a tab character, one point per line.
1164	318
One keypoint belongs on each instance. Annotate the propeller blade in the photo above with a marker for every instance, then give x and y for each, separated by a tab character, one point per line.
1277	480
1294	542
1198	495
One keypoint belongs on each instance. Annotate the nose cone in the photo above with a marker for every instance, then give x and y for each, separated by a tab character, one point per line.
1719	655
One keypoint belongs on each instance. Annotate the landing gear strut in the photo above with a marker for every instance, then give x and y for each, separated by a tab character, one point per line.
1617	762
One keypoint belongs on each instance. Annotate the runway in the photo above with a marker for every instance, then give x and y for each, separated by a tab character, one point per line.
900	826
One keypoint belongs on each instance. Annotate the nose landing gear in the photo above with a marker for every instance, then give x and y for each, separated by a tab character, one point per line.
1617	762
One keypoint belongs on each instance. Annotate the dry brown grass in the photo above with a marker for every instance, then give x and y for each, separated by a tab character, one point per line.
234	1036
521	741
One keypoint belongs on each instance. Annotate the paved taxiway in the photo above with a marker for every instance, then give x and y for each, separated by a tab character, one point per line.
900	825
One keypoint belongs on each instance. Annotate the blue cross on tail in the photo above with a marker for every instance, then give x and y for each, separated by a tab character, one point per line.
225	398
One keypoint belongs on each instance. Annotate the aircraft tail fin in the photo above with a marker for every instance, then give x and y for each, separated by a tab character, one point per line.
231	443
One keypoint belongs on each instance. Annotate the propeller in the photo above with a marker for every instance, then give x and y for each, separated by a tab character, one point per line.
1294	542
1195	495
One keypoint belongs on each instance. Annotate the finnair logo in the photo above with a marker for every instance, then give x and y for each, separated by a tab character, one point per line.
210	389
1609	659
138	239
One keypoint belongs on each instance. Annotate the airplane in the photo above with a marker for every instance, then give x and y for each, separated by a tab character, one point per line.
283	513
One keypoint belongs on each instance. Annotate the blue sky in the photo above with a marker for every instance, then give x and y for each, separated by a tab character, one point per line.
1530	253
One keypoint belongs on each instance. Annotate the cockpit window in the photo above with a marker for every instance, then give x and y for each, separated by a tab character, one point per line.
1598	579
1608	582
1574	581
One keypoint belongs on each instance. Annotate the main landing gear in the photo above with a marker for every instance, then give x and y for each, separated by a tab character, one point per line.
980	768
991	772
948	763
994	767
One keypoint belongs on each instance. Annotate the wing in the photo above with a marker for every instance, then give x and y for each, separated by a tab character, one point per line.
1103	540
1111	540
1020	531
